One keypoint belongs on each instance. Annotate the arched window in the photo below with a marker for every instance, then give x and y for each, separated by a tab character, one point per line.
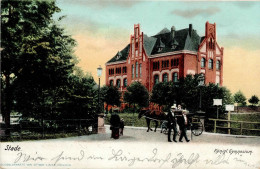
175	77
136	69
218	65
202	63
118	83
140	67
210	63
165	77
125	82
156	79
111	83
133	71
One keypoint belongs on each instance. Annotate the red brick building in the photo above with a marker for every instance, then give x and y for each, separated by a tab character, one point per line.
167	56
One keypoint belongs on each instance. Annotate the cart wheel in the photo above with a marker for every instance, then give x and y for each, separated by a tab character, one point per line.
164	128
197	128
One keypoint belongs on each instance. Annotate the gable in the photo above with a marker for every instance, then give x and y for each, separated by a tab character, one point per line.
121	55
218	50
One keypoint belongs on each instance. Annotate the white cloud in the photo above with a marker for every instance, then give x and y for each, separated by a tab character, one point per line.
190	13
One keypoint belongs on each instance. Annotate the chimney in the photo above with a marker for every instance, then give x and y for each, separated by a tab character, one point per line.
172	32
190	29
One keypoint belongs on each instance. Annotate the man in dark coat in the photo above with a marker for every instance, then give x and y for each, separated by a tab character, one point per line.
122	125
172	124
183	124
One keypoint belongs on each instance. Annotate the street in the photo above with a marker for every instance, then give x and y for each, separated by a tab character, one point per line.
135	149
139	134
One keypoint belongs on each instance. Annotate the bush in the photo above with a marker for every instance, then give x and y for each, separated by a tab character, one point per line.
131	119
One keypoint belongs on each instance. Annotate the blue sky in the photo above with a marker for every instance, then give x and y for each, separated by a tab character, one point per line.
236	20
102	28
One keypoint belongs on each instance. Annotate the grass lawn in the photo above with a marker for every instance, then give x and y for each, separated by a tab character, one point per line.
239	117
131	120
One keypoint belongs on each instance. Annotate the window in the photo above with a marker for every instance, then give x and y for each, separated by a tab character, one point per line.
124	69
210	63
125	82
165	77
156	65
133	48
202	63
118	83
140	46
218	65
156	79
111	71
133	71
175	77
136	69
165	63
111	83
211	44
140	67
174	62
118	70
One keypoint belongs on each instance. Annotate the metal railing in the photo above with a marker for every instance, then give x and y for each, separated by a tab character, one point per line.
49	129
240	128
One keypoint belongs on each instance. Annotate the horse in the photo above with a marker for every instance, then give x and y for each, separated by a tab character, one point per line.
152	116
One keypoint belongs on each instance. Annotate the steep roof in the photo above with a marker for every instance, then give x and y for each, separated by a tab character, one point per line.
121	55
182	41
149	43
163	31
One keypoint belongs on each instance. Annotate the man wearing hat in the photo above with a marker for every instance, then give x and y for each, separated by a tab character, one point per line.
184	123
172	124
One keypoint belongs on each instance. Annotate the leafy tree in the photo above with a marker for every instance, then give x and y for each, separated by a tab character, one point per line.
188	92
164	93
254	100
111	95
137	94
80	99
36	56
240	98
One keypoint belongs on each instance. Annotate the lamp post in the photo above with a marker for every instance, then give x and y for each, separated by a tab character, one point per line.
99	73
201	83
200	113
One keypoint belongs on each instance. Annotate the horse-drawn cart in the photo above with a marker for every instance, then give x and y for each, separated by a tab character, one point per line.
196	125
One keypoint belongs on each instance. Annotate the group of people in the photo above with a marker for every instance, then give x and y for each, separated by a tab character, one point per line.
182	121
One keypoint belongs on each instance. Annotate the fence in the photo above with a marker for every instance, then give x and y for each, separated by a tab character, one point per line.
50	129
239	125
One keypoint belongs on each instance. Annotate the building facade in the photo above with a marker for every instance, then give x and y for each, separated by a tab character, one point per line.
167	56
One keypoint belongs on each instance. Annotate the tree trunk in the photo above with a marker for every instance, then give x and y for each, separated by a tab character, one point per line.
8	104
107	109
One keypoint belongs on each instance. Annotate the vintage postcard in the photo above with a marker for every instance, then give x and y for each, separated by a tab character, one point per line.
130	84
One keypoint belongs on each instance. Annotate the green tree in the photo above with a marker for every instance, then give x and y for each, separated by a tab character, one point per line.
111	96
137	94
254	100
188	92
164	93
36	56
240	98
80	99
